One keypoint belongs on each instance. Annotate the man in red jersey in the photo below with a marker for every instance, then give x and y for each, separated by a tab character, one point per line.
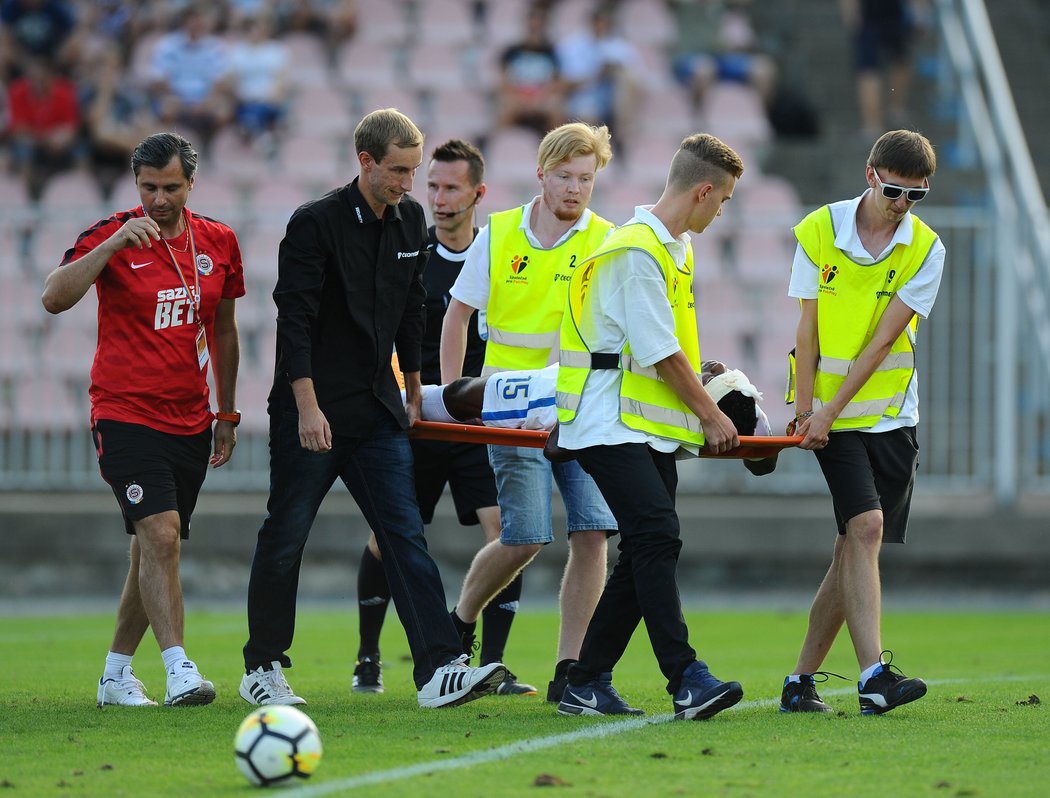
166	280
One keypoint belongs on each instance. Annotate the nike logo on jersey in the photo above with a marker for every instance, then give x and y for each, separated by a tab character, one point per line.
591	702
140	265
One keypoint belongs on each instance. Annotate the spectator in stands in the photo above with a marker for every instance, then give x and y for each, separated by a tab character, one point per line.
716	42
117	113
259	75
167	281
190	76
349	291
35	29
530	91
882	30
43	122
602	72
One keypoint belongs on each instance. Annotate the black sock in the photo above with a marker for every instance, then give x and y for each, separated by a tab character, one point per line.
373	595
464	630
496	620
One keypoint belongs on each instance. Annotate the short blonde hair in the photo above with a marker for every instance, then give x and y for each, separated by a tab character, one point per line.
572	140
702	158
378	130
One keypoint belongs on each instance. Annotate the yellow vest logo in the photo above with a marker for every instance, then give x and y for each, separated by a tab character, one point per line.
518	263
828	273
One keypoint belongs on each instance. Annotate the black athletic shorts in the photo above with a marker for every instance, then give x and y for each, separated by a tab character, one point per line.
465	467
152	472
872	471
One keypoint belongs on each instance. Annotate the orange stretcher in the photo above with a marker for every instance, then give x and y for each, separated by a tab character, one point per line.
751	446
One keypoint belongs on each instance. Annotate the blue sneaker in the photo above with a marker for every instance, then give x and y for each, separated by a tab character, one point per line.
888	688
597	697
701	695
801	696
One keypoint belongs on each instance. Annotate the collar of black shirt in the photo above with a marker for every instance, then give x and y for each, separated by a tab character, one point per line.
362	210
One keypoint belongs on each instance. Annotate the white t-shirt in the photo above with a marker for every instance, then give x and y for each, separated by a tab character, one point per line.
472	285
632	293
919	293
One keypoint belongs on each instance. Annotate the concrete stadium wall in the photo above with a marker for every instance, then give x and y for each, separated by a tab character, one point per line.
72	546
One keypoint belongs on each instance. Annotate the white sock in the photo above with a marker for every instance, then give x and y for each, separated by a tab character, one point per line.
115	664
433	404
795	677
867	673
173	656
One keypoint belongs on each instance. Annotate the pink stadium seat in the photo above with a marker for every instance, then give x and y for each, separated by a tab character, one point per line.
735	114
763	256
439	67
384	22
47	401
462	113
666	111
450	22
510	158
73	189
366	64
648	23
307	58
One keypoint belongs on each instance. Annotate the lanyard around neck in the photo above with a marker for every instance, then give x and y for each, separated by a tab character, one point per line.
195	295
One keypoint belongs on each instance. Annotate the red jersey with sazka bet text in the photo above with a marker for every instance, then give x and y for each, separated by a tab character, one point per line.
146	368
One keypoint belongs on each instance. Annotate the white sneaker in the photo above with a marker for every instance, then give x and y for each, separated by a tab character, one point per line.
187	688
127	691
456	683
268	687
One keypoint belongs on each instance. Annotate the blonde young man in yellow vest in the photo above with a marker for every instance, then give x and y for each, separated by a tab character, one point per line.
629	399
517	273
864	270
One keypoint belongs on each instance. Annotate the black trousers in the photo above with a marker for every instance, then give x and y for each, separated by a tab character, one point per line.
639	485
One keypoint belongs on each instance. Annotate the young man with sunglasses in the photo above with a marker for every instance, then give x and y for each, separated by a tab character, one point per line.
864	271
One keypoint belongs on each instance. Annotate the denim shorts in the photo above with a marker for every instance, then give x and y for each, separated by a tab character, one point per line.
524	482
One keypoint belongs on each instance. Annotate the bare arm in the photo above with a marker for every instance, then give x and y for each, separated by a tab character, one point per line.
807	348
66	285
226	359
890	326
413	396
315	434
719	433
454	339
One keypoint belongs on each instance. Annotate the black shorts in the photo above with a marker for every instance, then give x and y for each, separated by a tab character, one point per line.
465	467
872	471
151	472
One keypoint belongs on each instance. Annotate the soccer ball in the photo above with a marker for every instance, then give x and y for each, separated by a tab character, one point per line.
277	745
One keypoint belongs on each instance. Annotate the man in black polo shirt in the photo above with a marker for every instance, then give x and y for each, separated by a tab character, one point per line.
348	293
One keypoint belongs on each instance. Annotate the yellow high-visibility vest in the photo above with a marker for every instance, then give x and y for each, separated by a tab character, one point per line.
851	299
527	288
647	403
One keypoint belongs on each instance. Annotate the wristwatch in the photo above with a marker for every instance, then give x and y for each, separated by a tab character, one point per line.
234	417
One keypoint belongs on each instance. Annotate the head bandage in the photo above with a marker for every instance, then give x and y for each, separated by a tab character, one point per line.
732	380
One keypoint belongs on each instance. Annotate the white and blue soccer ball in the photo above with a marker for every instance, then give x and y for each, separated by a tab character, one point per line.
277	746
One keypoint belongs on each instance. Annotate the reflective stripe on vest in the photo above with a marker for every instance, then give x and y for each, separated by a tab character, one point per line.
527	288
647	403
851	301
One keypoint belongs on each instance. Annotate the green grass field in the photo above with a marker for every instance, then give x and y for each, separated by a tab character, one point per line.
976	733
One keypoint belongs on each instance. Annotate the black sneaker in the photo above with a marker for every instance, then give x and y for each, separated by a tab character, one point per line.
887	689
556	686
368	676
701	696
511	686
801	696
597	697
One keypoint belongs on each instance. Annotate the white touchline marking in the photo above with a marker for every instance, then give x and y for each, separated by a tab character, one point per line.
591	732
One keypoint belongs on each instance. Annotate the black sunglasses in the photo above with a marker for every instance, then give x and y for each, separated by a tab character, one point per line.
892	192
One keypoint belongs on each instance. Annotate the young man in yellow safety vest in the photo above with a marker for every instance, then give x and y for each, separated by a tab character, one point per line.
864	271
517	273
629	398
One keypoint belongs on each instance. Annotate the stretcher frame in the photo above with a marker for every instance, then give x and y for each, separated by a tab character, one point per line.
751	446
